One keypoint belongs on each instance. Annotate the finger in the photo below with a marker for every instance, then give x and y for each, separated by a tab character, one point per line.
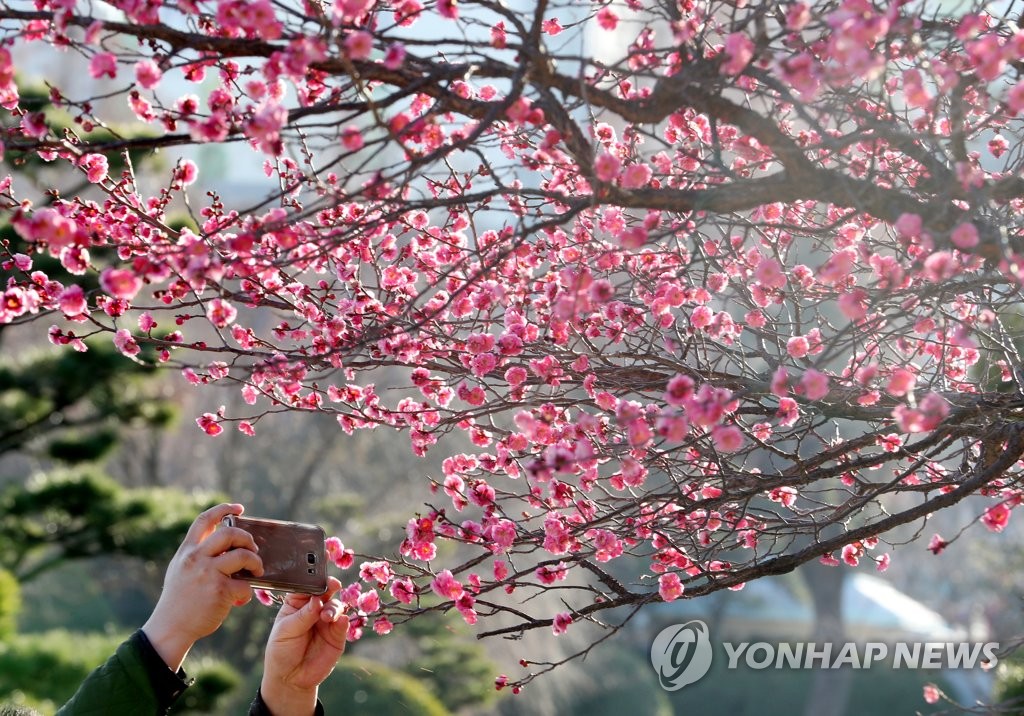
236	560
240	591
337	633
228	538
289	606
332	610
302	620
207	521
297	601
333	587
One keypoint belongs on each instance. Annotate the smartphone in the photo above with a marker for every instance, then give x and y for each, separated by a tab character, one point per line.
293	554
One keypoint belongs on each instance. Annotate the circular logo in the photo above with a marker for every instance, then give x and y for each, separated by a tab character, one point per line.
681	654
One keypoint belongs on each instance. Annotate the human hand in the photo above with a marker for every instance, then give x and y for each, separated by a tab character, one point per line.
198	588
304	645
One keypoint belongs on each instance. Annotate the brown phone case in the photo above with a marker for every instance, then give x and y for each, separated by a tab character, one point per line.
293	554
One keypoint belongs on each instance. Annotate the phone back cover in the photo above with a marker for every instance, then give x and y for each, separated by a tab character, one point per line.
284	547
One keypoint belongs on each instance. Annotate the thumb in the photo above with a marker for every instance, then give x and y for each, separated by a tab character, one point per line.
304	619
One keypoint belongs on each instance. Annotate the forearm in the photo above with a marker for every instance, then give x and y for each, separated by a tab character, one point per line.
167	641
133	680
275	700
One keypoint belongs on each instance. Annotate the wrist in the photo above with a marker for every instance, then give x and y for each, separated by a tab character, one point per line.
284	700
169	642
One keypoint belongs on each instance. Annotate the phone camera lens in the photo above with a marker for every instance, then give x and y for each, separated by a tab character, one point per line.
311	557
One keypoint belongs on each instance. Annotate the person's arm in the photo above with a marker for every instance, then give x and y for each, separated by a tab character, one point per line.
198	588
307	639
259	707
144	676
134	680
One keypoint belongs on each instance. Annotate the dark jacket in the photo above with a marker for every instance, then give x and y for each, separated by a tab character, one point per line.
135	681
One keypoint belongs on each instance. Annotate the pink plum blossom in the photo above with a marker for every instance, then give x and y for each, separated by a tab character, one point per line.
186	172
931	411
679	390
607	167
120	283
909	225
394	56
607	19
797	16
95	166
788	412
359	45
996	517
147	74
125	342
368	601
552	26
635	176
727	438
739	49
965	236
446	586
798	346
448	9
852	553
403	590
103	64
769	273
561	623
210	424
670	587
72	300
814	384
221	313
901	382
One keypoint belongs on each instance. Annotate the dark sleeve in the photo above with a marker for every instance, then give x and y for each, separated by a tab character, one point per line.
167	685
258	708
134	681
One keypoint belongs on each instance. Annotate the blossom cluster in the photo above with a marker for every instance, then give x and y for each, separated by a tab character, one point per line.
675	325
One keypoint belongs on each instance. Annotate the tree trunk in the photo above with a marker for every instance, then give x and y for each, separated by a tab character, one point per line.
830	688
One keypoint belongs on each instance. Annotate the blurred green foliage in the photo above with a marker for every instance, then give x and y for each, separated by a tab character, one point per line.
1009	691
76	447
44	670
83	513
10	603
215	681
79	397
361	686
624	683
447	658
82	594
49	666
